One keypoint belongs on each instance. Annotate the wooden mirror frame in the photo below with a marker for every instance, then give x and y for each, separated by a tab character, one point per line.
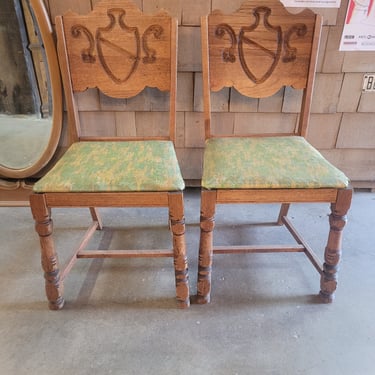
41	17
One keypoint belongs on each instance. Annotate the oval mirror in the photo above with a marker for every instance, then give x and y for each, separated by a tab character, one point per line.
30	125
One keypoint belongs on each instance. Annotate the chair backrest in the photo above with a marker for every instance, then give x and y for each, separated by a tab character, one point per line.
120	51
258	50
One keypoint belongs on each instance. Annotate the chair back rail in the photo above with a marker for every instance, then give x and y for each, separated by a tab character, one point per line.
120	51
258	50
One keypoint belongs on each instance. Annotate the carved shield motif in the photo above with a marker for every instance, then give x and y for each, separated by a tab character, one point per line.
118	47
259	56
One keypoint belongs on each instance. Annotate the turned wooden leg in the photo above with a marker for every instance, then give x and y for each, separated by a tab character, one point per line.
337	221
50	264
207	223
177	225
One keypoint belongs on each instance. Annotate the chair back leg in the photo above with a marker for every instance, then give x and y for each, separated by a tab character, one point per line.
96	217
283	212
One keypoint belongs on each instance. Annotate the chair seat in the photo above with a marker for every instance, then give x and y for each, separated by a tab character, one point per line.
267	162
115	166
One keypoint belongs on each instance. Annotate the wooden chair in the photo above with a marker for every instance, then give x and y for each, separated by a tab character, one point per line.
258	50
120	51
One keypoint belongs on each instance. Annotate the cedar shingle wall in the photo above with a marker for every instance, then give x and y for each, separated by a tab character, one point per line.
342	120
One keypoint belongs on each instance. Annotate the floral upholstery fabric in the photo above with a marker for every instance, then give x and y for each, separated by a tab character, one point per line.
267	162
115	166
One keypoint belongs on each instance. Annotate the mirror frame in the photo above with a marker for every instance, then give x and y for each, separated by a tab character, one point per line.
46	34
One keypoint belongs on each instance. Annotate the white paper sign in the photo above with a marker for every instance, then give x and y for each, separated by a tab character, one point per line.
359	29
312	3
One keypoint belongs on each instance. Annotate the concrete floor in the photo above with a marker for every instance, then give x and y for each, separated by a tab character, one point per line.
120	315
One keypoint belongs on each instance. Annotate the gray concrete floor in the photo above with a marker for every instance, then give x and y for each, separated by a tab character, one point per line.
120	316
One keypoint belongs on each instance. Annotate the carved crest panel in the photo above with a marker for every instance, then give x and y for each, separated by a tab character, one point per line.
111	50
260	49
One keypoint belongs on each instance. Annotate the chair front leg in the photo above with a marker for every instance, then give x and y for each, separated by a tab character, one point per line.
337	221
177	225
50	263
207	224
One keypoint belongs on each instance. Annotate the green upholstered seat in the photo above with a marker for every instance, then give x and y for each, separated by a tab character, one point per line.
115	166
267	162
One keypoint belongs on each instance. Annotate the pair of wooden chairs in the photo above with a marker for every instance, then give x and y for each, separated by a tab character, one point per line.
257	50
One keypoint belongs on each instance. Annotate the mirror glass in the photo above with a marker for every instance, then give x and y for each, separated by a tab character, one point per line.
23	139
30	89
